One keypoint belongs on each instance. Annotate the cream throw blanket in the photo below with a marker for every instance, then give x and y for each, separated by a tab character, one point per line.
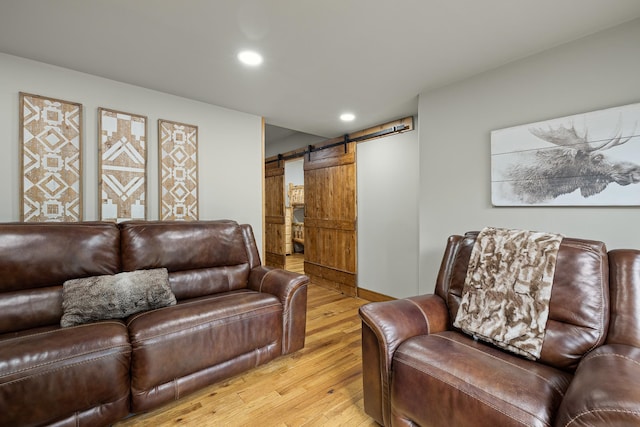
505	298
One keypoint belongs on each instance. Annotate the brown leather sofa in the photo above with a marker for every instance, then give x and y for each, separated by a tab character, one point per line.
232	314
419	370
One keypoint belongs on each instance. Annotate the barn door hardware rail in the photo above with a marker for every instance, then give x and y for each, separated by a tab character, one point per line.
384	132
396	128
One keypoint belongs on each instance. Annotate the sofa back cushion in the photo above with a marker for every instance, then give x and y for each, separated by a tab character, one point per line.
37	258
624	326
202	257
579	305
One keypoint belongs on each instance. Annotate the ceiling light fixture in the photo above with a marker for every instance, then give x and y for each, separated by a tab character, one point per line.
347	117
249	57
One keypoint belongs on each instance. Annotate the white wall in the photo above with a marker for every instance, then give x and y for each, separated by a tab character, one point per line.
229	142
592	73
387	174
290	143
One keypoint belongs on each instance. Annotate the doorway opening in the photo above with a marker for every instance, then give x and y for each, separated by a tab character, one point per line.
294	215
284	196
328	237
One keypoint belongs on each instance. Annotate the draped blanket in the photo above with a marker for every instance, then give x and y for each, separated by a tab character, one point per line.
505	298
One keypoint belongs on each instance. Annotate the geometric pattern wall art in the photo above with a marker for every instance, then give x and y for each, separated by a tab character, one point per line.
51	159
178	148
122	165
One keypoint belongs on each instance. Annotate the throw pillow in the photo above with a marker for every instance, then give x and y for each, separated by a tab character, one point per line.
114	296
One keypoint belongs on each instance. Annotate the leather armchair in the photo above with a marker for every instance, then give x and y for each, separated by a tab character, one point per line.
420	370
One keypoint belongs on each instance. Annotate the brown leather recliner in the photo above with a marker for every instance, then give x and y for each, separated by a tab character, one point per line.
48	374
419	370
232	314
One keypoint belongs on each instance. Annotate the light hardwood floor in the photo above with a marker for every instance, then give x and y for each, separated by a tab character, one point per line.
295	263
320	385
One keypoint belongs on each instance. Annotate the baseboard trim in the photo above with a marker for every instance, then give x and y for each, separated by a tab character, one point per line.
373	296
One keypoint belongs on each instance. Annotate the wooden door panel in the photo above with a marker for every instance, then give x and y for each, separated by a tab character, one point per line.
330	217
318	242
274	214
335	198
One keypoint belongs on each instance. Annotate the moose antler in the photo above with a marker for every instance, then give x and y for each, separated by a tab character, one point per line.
565	137
568	137
617	139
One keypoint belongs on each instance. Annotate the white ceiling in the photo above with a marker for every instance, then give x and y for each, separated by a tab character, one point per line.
322	57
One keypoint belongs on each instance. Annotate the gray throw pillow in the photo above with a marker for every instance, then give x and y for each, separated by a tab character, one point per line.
114	297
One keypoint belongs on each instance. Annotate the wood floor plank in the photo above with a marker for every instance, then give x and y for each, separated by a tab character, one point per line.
320	385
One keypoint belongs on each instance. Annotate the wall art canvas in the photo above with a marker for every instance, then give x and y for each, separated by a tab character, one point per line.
178	148
50	159
122	165
590	159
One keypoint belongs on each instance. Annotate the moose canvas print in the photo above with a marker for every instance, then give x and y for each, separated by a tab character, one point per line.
590	159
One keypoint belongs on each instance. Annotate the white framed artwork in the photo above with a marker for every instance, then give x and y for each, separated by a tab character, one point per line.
50	159
589	159
178	166
122	165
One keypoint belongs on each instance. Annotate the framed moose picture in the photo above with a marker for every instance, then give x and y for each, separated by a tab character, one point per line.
590	159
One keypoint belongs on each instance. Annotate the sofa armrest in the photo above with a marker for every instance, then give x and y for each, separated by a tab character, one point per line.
604	390
291	289
386	325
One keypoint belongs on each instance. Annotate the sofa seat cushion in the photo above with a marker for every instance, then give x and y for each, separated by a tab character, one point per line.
65	371
450	379
174	342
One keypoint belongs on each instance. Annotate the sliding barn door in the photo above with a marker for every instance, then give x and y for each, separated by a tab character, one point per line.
274	214
330	216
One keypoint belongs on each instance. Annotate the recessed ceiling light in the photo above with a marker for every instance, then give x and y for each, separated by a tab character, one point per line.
249	57
347	117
